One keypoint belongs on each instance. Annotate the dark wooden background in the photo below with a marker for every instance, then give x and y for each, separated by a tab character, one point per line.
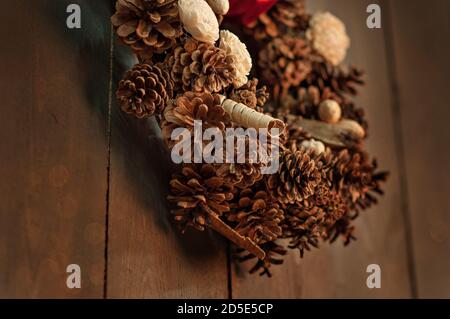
83	184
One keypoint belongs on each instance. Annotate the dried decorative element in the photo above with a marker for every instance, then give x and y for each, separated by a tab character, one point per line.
314	145
256	216
346	133
328	37
355	177
284	63
274	254
145	90
329	111
198	192
247	117
199	20
202	67
233	46
286	16
192	106
298	176
153	25
250	95
220	7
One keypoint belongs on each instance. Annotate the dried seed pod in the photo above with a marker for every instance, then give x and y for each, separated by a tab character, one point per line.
330	111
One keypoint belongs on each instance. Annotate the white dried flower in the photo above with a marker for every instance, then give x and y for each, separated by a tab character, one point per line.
233	45
317	146
328	37
330	111
219	6
199	20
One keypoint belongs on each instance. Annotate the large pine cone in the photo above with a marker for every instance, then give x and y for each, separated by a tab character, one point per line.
256	216
202	67
298	176
284	63
287	16
144	24
145	90
197	192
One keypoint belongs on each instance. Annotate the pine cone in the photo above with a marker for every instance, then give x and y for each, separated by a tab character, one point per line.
355	177
304	227
197	192
145	90
250	95
202	67
340	80
298	176
143	24
284	63
287	16
193	106
256	216
274	253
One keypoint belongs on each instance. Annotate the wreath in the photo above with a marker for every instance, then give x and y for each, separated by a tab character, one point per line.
262	65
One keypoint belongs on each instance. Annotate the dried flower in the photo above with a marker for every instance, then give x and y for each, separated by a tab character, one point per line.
328	37
233	46
199	20
220	7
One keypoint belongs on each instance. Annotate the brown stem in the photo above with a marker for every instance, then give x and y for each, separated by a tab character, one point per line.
244	242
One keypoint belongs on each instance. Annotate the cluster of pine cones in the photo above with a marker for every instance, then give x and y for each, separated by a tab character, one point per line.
315	195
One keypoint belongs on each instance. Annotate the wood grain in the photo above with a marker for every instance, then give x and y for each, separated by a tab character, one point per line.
147	256
53	153
336	271
420	33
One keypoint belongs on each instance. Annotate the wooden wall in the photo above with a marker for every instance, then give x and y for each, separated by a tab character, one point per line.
83	184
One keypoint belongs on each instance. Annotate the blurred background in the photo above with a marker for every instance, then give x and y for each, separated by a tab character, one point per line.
80	186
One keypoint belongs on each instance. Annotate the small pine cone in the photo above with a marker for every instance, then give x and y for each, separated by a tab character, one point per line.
274	253
192	106
340	80
298	176
197	192
284	63
304	226
240	175
342	228
250	95
286	16
154	25
354	176
145	90
256	216
202	67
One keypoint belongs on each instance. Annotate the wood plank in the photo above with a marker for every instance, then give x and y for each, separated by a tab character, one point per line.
335	271
147	256
53	152
420	33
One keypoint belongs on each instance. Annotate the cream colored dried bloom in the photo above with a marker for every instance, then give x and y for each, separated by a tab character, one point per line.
328	37
219	6
232	45
199	20
317	146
